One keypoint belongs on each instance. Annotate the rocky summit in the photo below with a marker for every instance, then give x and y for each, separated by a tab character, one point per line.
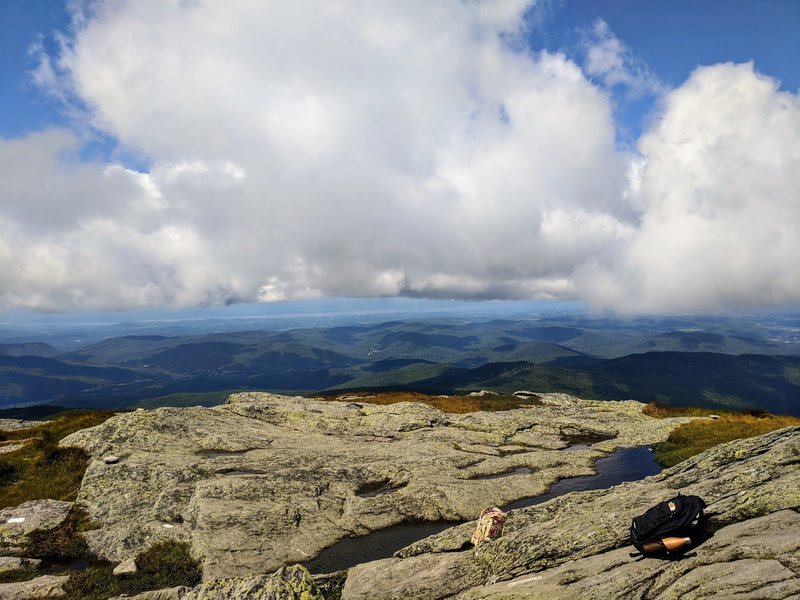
267	480
576	546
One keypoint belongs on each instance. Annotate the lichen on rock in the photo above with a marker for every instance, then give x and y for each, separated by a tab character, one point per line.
19	523
576	546
288	583
46	586
267	480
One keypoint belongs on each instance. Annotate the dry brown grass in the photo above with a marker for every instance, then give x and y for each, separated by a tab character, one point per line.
449	404
40	469
660	411
698	436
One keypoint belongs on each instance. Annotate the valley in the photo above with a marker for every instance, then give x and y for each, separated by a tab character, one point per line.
725	363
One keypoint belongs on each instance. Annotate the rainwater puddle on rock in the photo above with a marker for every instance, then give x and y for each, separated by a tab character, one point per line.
61	566
628	464
517	471
353	551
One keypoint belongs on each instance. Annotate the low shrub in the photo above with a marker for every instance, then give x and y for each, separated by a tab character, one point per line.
93	583
8	473
63	543
165	564
168	562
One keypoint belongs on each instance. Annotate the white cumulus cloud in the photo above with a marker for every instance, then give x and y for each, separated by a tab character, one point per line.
719	187
303	149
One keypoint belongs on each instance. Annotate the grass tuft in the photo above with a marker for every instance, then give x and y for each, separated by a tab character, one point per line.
698	436
16	575
63	543
40	469
165	564
662	411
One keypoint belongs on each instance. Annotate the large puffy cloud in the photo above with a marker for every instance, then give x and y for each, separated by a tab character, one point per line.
719	189
76	234
304	149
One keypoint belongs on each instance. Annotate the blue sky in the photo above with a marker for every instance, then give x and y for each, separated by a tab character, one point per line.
24	24
672	37
630	155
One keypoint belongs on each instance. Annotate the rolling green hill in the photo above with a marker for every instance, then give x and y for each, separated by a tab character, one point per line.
28	349
771	383
676	360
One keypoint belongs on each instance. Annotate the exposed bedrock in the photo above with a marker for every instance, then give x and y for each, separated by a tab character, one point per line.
265	480
575	546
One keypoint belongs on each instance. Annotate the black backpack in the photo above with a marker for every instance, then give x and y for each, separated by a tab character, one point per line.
681	516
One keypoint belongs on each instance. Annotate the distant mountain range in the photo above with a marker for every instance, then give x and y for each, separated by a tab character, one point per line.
714	363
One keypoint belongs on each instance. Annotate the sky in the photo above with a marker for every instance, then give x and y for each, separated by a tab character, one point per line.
639	157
